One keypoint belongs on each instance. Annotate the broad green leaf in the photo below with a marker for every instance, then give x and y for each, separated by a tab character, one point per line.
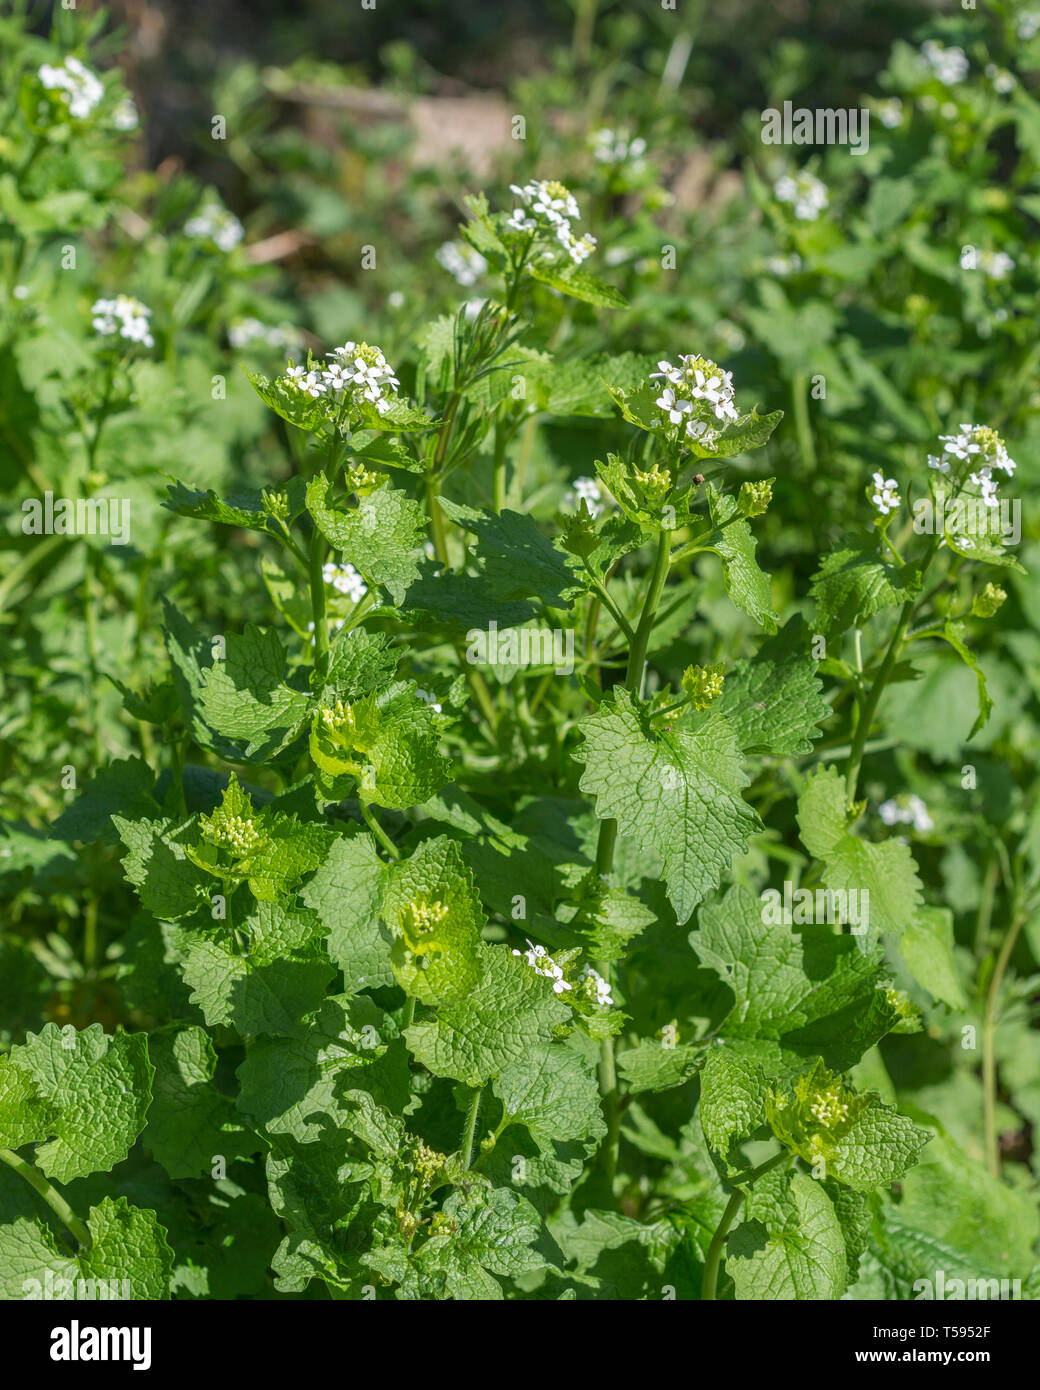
505	1021
26	1117
167	882
772	701
789	1243
382	536
246	696
124	787
190	1123
129	1258
732	1104
675	795
346	891
98	1086
433	912
886	871
515	559
653	1067
853	583
734	542
577	284
927	948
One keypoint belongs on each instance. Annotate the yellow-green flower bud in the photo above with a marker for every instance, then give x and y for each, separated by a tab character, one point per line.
655	484
702	684
986	604
755	497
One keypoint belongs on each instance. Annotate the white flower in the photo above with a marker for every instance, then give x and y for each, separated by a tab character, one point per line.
602	988
949	65
676	409
805	191
983	480
124	317
615	147
1028	25
1003	81
996	264
242	332
520	222
542	963
783	265
890	112
125	116
462	261
214	223
345	580
885	496
585	490
431	700
978	443
909	810
395	299
80	89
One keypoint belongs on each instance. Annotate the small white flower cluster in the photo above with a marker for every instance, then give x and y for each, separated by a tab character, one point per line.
214	223
460	259
1003	81
428	699
345	580
80	89
125	116
805	191
976	444
699	395
885	495
783	265
616	147
1028	25
550	208
238	833
909	810
355	368
949	65
828	1108
596	986
242	332
585	490
998	265
123	316
890	112
542	963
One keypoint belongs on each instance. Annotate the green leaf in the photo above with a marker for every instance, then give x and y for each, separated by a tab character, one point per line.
653	1067
26	1117
772	701
886	871
129	1258
743	435
853	583
675	795
855	1139
732	1104
554	1094
577	284
953	633
789	1244
359	662
346	891
927	948
514	557
245	696
433	912
489	1231
798	992
190	1124
124	787
381	537
98	1086
735	544
503	1022
283	976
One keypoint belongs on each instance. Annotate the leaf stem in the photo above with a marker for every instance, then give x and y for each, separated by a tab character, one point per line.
51	1196
989	1058
709	1284
470	1129
378	831
318	609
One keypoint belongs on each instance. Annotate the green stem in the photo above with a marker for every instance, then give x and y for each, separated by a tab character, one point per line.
607	840
869	709
409	1012
51	1196
378	831
470	1129
803	429
718	1240
989	1058
318	609
499	481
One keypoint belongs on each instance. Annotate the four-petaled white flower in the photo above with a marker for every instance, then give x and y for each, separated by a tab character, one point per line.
807	193
542	963
462	261
214	223
676	408
345	580
585	490
885	497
